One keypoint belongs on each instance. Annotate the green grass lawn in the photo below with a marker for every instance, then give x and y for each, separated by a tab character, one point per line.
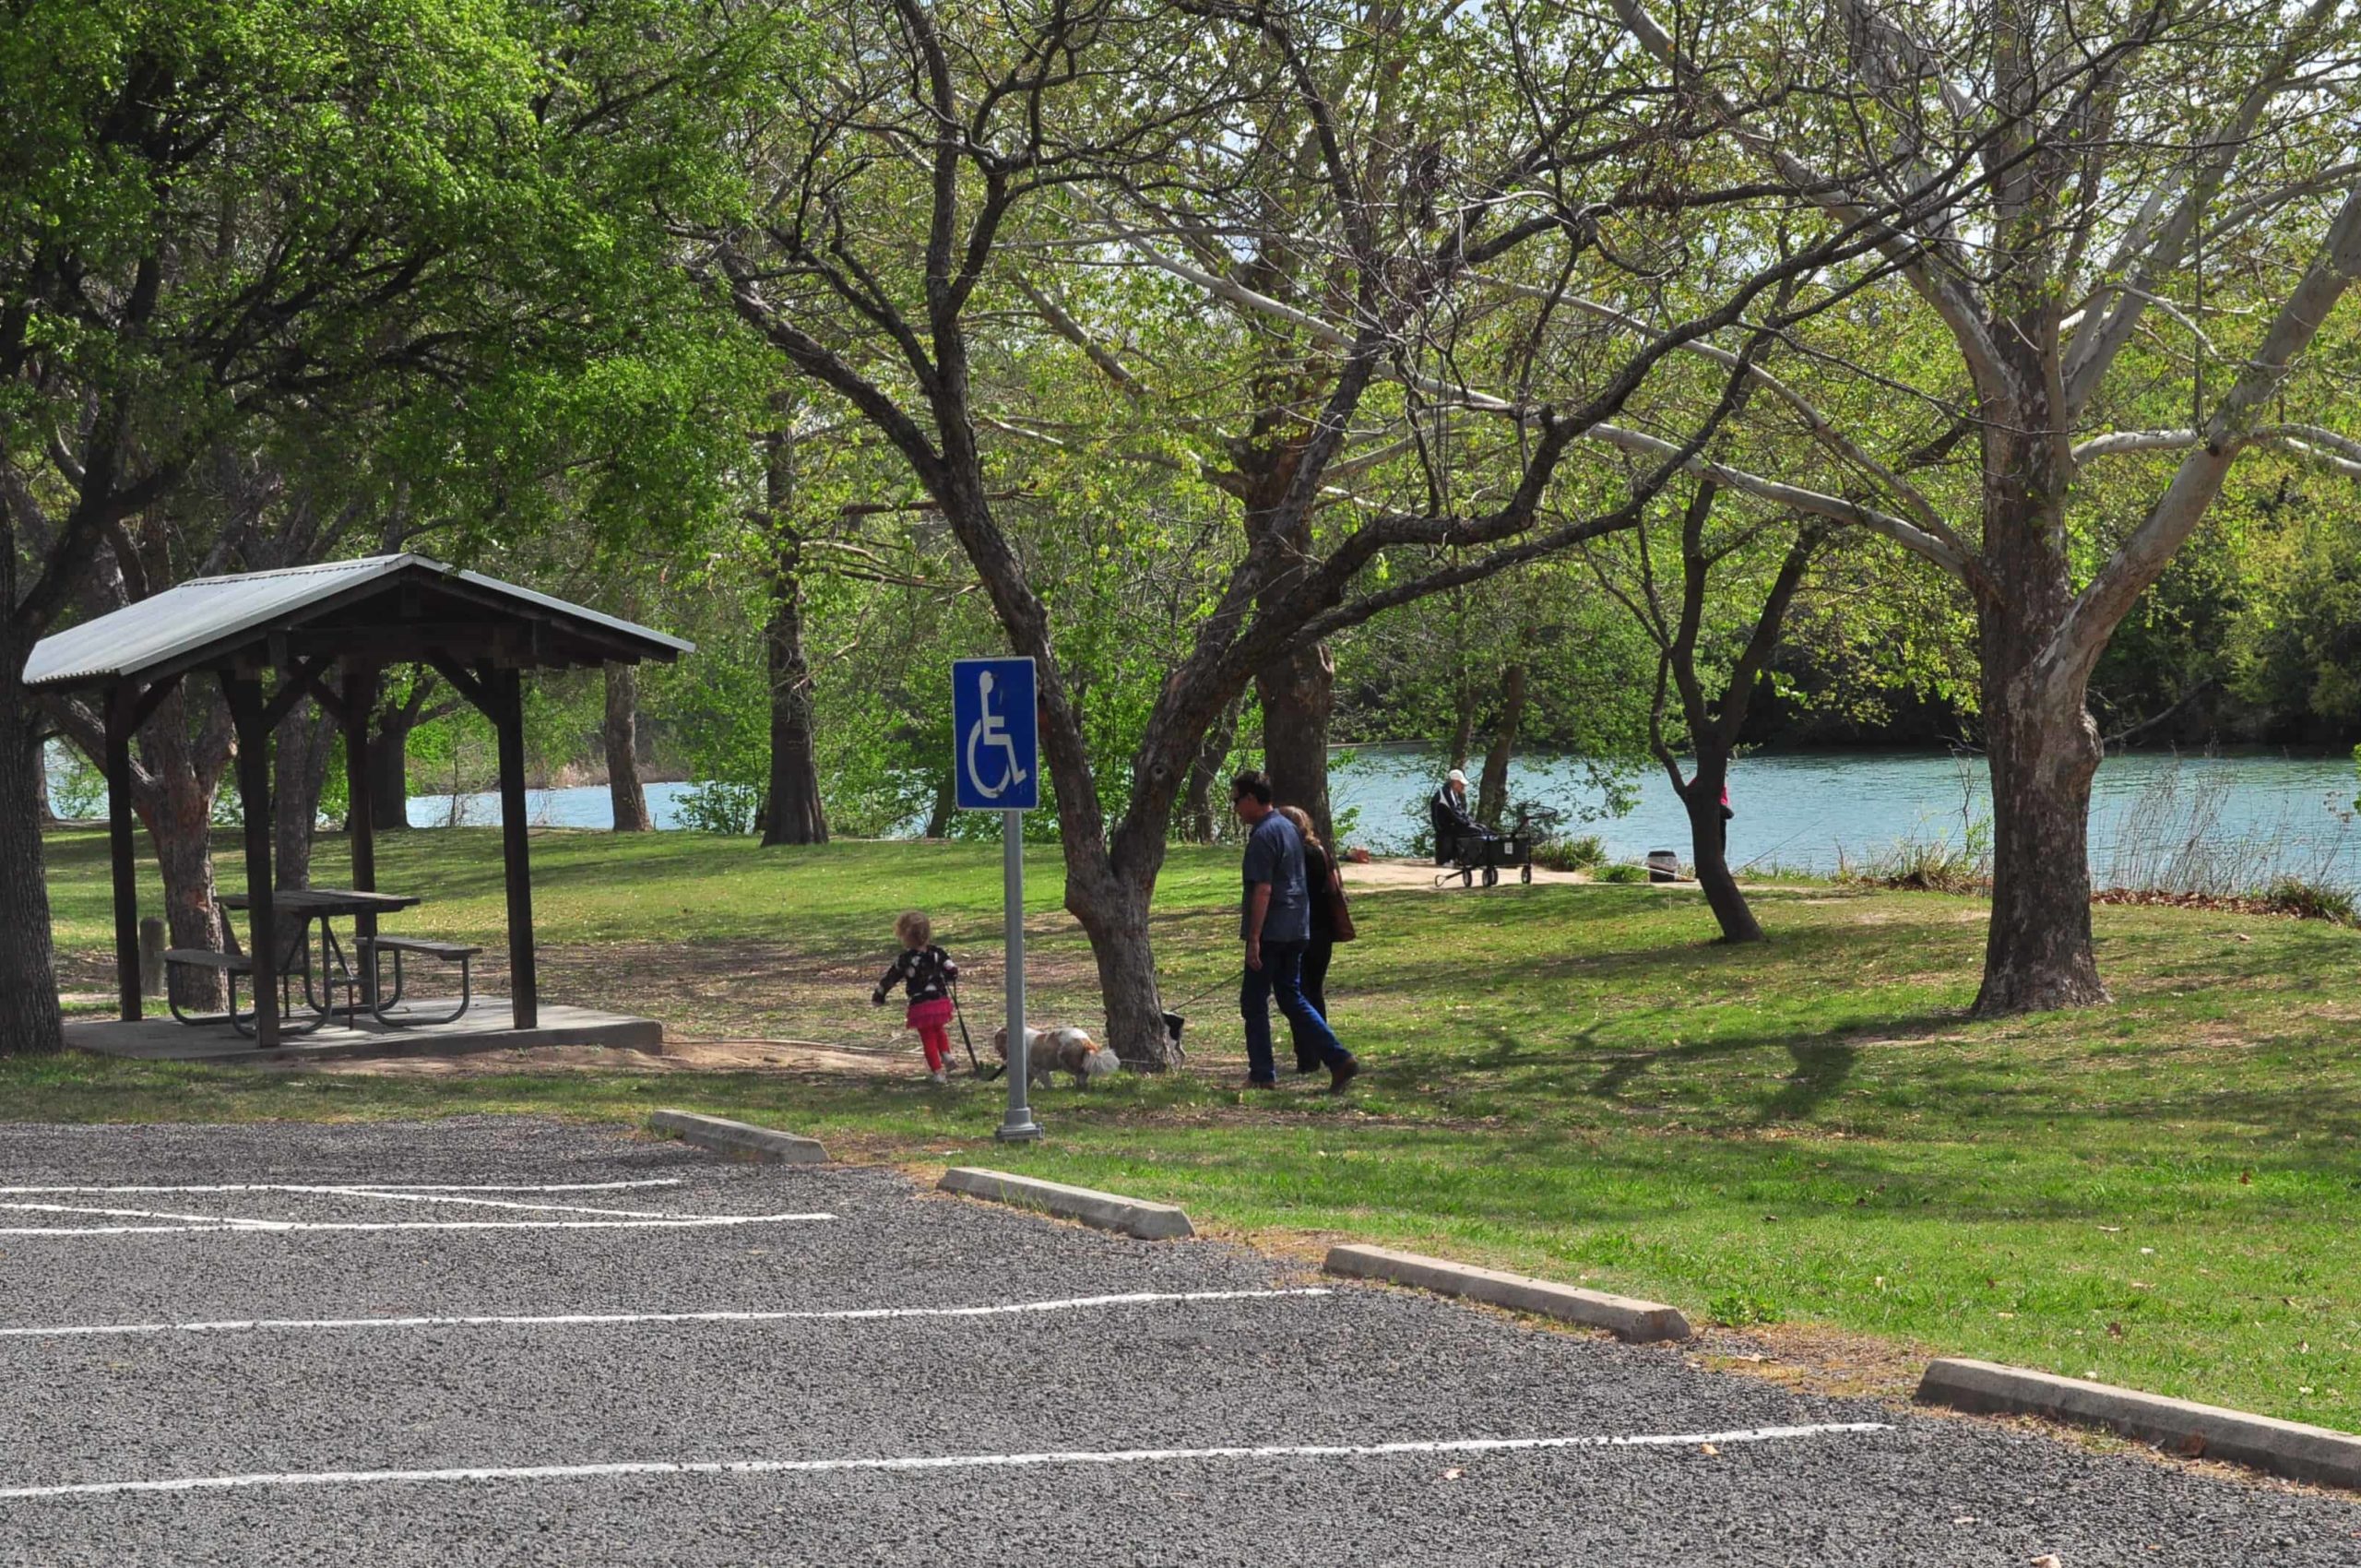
1571	1081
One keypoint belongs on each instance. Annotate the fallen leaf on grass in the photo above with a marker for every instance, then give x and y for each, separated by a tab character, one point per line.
1709	1451
2047	1560
1452	1475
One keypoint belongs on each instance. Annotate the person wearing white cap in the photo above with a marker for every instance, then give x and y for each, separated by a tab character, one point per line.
1449	809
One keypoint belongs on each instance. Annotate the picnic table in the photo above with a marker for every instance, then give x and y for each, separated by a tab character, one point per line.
325	905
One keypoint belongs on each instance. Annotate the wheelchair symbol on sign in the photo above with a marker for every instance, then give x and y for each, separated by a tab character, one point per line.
989	730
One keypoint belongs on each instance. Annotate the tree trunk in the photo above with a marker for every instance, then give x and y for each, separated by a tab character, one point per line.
49	817
620	732
947	801
2042	744
2037	953
1299	691
1492	789
29	1021
182	750
1708	849
793	812
1463	733
1198	824
1112	909
389	768
299	772
180	827
1299	698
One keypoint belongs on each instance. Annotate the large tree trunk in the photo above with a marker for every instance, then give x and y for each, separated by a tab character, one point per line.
1113	910
299	772
1297	692
1492	789
2042	744
389	768
2044	750
183	749
29	1021
1299	698
793	812
620	732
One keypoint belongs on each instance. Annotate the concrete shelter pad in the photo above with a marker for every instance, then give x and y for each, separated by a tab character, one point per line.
485	1026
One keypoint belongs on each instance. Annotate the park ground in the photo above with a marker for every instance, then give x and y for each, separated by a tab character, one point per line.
1809	1139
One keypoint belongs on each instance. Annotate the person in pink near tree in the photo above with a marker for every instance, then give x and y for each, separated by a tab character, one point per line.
927	972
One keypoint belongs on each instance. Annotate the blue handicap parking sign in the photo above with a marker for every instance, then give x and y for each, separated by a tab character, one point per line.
996	745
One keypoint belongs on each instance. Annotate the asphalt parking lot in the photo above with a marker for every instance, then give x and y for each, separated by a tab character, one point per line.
487	1341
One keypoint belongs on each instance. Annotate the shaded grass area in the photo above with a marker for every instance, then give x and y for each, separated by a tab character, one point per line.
1567	1080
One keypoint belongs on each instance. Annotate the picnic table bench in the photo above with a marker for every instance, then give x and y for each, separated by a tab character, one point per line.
363	988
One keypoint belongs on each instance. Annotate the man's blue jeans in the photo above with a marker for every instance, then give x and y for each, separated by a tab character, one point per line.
1281	976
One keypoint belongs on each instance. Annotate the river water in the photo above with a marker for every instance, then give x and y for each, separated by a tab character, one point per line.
2213	823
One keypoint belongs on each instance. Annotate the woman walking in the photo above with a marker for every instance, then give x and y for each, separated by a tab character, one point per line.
1326	886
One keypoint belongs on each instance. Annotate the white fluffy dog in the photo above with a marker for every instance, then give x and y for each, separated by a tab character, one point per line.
1059	1051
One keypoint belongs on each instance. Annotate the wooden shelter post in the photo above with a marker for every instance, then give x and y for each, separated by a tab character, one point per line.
504	685
121	706
243	693
359	697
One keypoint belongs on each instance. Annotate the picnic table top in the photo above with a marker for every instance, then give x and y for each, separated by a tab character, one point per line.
330	901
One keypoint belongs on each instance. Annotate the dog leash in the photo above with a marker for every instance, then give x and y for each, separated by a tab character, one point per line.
1183	1006
970	1040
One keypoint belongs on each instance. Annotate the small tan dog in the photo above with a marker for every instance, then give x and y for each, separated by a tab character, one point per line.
1059	1051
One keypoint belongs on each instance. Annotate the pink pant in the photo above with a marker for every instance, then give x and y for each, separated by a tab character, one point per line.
929	1018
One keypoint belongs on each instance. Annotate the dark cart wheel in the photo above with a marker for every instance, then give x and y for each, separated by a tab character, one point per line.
1524	874
1467	876
1491	875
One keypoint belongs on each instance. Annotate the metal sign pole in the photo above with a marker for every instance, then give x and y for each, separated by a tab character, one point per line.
1019	1127
996	765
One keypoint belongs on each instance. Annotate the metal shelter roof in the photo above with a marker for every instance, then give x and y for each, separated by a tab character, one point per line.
212	619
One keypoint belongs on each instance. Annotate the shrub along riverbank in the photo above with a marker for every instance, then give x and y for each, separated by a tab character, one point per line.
1564	1079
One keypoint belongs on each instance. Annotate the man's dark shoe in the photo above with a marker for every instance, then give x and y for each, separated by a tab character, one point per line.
1343	1072
1304	1064
1261	1082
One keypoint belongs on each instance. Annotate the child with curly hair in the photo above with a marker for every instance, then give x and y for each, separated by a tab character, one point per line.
927	972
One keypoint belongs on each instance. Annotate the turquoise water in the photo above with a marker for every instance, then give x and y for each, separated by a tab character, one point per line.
2208	823
2248	817
2155	817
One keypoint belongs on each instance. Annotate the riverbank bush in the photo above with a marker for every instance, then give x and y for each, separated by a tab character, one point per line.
1920	865
1581	853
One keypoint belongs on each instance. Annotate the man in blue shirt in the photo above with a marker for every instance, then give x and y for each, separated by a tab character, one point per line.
1275	922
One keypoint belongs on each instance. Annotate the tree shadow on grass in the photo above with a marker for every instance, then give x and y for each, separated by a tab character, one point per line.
1822	1066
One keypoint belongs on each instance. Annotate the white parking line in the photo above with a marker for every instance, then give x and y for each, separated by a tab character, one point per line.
934	1462
593	1320
128	1213
282	1227
391	1195
362	1186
